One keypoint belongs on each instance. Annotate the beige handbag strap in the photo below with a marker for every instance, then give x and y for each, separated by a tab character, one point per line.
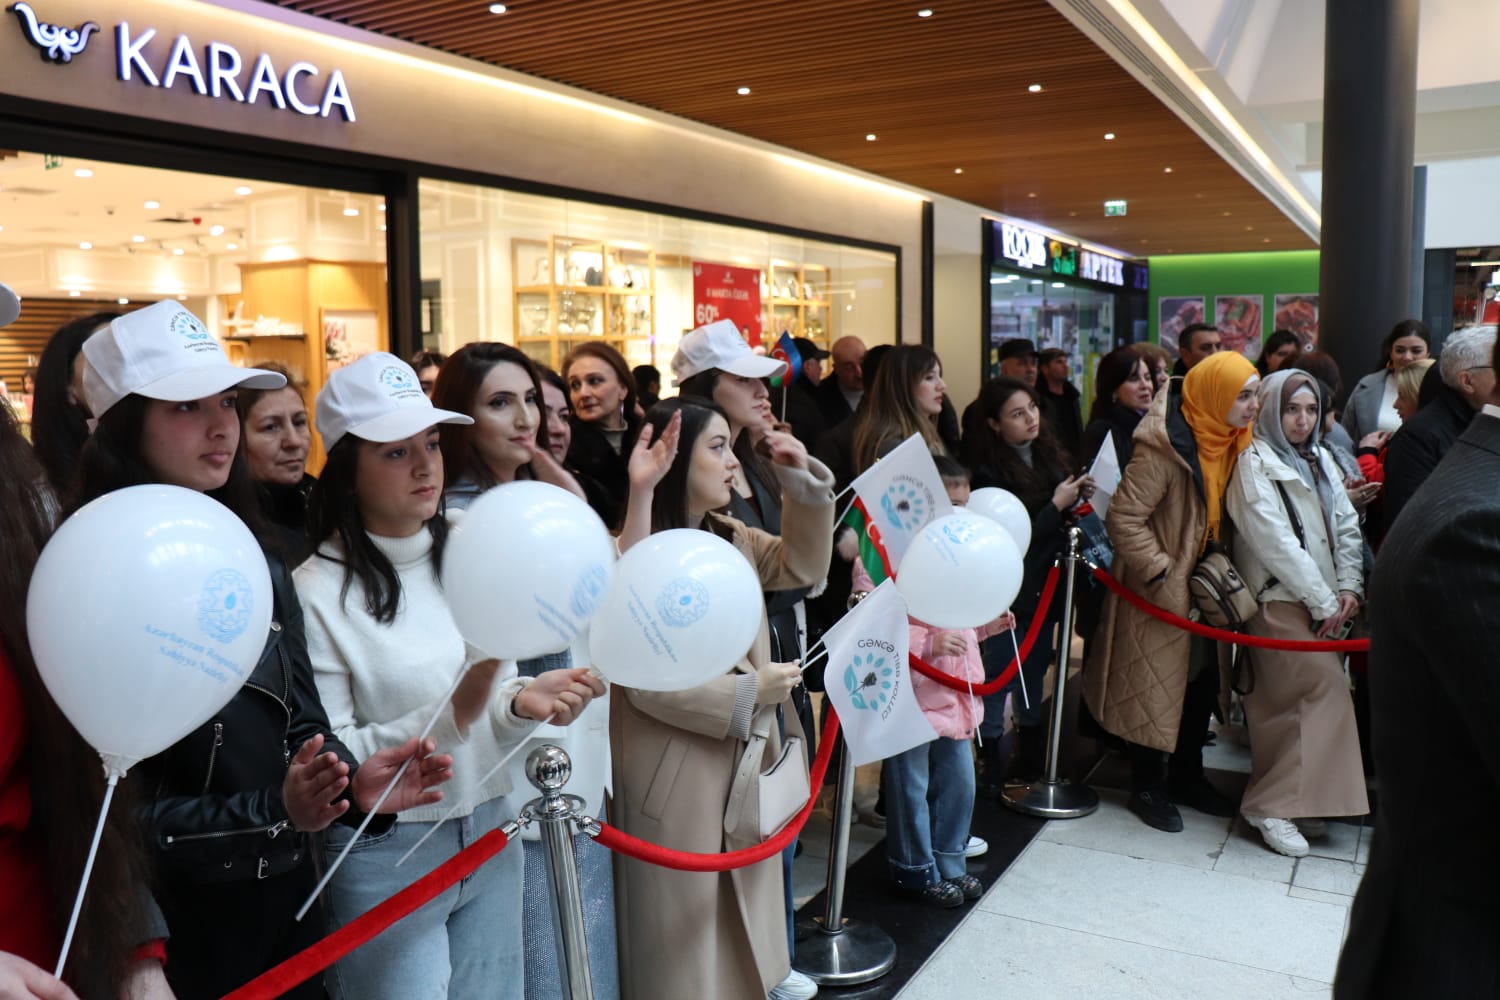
748	770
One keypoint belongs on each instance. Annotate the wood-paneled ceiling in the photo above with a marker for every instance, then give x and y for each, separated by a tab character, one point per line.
946	97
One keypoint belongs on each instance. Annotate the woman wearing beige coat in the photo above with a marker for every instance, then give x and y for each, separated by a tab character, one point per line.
1148	682
689	935
1299	548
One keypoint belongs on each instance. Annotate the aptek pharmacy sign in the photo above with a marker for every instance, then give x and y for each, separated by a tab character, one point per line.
216	70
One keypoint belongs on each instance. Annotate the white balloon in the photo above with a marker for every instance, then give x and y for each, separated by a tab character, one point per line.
961	571
525	569
148	609
1006	510
684	608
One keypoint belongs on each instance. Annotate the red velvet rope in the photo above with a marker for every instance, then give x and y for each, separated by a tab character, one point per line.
686	861
1222	635
314	959
927	670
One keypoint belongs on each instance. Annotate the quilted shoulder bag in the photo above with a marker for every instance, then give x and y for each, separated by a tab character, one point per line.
1219	592
761	802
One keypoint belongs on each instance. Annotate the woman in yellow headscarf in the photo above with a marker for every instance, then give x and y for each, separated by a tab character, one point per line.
1146	682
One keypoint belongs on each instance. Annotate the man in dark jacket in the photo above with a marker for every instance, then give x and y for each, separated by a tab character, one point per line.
839	397
1467	379
1195	343
1425	921
797	403
1061	401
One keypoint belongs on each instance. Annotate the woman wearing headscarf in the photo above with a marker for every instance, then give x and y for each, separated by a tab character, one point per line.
1299	549
1146	681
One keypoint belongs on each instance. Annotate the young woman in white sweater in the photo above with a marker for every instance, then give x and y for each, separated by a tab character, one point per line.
385	650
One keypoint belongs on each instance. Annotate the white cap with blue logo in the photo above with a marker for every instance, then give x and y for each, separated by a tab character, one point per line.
377	398
161	352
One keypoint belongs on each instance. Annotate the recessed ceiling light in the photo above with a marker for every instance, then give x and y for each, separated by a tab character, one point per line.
74	294
380	207
497	8
2	229
1249	229
1266	240
382	227
84	172
351	212
153	205
137	238
231	246
1031	194
1035	88
177	251
122	301
1108	136
958	170
1166	170
1227	214
85	245
243	190
870	137
216	231
743	91
924	12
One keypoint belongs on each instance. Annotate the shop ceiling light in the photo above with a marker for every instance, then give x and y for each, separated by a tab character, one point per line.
137	238
870	137
231	246
84	172
1058	284
1108	136
216	231
74	294
152	206
958	170
177	251
497	8
122	301
351	212
243	190
743	91
1035	88
85	245
380	207
924	12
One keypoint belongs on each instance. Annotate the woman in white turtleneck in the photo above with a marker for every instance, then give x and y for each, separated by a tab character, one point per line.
385	650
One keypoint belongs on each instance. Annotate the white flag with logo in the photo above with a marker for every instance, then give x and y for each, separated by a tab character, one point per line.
868	679
901	494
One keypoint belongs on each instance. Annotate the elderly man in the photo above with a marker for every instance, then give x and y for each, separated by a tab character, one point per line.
1416	449
1196	342
1425	923
1018	360
839	396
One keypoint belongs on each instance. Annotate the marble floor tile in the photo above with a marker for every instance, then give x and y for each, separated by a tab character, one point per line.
1332	898
1117	830
1327	875
1038	960
1341	844
1366	838
1229	918
1245	853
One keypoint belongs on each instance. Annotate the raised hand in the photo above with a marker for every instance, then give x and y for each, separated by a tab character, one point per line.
418	786
782	449
649	461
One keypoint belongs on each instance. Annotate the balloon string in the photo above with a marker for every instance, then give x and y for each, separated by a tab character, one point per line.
88	868
370	813
1021	673
520	745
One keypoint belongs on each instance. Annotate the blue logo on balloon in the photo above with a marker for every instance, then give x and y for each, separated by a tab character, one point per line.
904	506
188	327
224	605
682	602
959	533
588	590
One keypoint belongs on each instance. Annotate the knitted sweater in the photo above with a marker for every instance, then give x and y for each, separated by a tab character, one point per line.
381	683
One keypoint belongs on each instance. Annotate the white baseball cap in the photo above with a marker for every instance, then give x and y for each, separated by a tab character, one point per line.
10	305
719	345
377	398
161	352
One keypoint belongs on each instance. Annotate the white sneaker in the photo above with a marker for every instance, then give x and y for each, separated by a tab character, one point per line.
1312	828
1280	835
795	986
976	847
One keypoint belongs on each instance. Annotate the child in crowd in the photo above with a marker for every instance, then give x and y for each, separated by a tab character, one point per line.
930	788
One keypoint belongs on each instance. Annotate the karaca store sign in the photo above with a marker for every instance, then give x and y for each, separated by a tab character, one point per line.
221	73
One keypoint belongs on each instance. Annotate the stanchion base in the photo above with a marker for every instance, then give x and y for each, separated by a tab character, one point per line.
1052	800
855	954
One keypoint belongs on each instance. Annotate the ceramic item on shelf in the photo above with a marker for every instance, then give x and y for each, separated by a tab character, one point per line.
537	312
543	270
593	276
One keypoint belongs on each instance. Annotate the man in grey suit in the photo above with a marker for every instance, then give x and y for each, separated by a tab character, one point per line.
1426	921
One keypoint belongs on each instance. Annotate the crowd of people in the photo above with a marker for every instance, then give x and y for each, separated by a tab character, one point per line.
213	844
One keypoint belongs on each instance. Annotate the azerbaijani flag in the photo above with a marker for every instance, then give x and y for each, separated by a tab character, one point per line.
872	554
786	350
894	499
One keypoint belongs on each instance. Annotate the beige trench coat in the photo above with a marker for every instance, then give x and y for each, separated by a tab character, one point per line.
690	935
1137	670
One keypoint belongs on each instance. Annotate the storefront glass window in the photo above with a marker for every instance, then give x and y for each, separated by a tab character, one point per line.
1078	320
546	273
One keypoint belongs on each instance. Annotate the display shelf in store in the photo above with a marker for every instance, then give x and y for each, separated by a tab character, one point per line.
568	291
797	297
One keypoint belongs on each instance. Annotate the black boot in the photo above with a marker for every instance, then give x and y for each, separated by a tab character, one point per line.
1029	762
992	767
1148	790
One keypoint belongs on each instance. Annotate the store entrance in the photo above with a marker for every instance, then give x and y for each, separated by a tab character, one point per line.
280	272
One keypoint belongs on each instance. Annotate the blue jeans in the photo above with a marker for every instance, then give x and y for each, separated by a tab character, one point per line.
465	943
929	803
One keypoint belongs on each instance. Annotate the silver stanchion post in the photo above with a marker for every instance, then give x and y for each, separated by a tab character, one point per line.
548	768
841	952
1053	797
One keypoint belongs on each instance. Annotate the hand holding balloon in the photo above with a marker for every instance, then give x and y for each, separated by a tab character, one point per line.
558	696
418	785
775	681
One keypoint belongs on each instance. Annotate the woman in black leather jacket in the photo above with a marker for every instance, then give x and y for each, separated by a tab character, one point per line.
230	808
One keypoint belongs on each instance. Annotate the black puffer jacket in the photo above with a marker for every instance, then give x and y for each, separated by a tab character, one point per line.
215	812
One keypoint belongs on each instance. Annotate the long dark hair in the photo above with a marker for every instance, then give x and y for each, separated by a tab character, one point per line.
457	389
1032	484
333	511
66	775
1405	328
1275	342
59	423
702	386
1115	369
890	413
669	502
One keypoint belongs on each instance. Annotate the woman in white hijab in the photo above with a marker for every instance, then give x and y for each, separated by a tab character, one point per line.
1298	548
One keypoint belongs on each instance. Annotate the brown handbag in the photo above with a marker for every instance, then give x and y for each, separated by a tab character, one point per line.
1219	592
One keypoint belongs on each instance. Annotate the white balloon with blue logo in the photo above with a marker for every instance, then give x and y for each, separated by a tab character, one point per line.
961	571
148	610
684	608
525	569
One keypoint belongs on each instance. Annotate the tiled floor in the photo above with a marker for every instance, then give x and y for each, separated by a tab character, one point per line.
1105	906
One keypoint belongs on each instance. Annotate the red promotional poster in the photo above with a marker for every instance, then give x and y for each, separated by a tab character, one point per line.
724	292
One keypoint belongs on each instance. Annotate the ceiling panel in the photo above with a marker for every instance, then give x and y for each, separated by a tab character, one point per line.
946	97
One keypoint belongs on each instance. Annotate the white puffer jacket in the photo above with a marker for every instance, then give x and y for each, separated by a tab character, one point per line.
1266	546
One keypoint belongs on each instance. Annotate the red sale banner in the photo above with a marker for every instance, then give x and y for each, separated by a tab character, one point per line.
732	293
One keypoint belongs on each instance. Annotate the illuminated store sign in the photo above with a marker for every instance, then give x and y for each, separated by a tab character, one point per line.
1099	267
1023	246
216	71
1063	258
